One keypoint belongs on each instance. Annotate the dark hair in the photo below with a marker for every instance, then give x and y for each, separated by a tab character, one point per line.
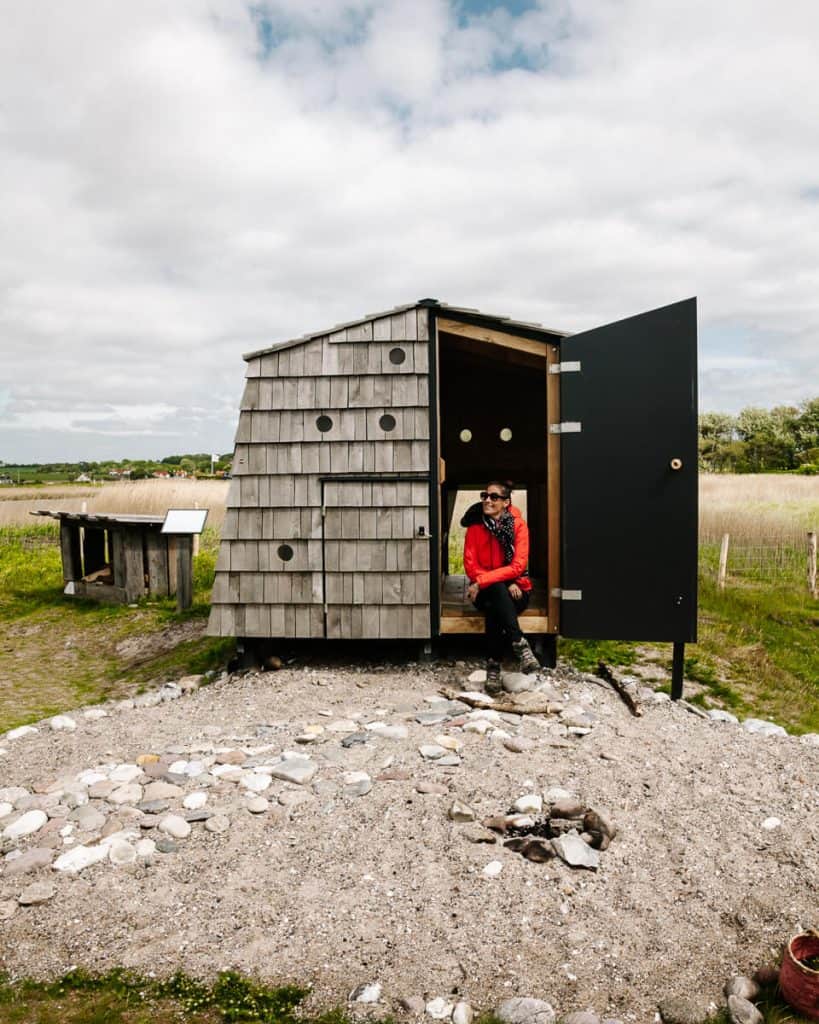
506	486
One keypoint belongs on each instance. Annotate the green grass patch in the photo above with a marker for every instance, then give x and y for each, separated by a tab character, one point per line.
585	655
58	652
122	997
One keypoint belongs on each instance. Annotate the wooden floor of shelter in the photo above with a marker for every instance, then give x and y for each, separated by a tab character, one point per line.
459	615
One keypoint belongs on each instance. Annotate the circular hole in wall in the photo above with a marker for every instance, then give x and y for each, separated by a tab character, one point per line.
387	422
324	423
285	552
397	356
465	435
506	434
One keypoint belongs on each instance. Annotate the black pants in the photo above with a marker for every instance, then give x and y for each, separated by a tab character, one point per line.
501	613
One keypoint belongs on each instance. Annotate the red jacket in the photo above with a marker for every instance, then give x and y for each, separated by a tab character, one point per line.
483	554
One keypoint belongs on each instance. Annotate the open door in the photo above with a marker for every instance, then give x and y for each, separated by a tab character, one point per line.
628	436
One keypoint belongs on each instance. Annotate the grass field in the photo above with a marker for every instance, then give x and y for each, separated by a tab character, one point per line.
759	638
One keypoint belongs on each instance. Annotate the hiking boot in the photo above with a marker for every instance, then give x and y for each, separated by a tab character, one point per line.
493	684
526	656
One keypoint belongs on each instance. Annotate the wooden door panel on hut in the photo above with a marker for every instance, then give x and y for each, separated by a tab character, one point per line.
377	558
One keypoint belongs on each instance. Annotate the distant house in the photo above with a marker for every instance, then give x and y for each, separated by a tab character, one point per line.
6	480
83	478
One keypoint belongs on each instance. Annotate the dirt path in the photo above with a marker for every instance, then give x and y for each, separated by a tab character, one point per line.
334	890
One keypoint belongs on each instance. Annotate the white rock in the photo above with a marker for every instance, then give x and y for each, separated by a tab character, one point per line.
227	772
90	777
769	824
571	848
257	783
5	809
763	728
479	726
460	811
478	676
342	725
295	769
462	1014
370	993
95	714
131	793
13	794
357	784
121	852
20	732
79	858
257	805
499	734
175	826
551	796
125	773
810	739
477	695
431	751
27	824
62	723
718	715
195	801
219	823
388	732
179	767
145	848
439	1008
493	869
525	1011
449	742
484	714
530	803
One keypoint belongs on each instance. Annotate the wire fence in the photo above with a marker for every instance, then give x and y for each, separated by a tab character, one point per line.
735	563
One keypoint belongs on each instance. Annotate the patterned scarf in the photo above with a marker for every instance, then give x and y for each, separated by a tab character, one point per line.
504	529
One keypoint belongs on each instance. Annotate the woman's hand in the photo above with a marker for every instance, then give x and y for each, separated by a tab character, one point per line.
515	592
473	591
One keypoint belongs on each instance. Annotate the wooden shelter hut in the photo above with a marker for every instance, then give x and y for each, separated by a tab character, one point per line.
353	443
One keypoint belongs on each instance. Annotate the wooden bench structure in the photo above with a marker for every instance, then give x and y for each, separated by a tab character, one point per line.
120	558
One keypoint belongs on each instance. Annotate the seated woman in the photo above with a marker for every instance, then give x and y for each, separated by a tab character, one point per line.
496	553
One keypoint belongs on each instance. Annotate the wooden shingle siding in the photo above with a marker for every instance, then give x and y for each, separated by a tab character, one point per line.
365	551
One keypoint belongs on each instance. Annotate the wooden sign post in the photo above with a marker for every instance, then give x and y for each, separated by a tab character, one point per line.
185	524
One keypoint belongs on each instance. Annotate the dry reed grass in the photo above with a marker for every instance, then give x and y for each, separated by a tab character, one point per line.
763	508
138	497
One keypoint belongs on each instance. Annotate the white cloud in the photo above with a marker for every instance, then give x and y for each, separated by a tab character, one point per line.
181	184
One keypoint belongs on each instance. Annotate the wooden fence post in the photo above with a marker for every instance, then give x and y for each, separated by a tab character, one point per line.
195	536
184	572
723	561
812	563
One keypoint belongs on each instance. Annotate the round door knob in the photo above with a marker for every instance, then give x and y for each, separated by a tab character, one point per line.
676	463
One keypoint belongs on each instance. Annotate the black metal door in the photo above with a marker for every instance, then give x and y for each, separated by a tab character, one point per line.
629	478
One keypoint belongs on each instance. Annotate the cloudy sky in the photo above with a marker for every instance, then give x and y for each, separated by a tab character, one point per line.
183	182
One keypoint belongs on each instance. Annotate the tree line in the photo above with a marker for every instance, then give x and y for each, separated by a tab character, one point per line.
785	438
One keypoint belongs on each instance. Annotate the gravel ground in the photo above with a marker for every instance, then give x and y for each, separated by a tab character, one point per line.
334	890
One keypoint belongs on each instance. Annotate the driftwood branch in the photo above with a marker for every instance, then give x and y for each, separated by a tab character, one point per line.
607	674
532	705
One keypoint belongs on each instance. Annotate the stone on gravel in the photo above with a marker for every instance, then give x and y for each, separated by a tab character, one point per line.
175	826
567	808
683	1010
37	892
763	728
166	845
518	744
433	788
769	824
5	809
459	811
295	769
20	732
431	717
78	858
575	852
530	803
366	993
357	784
95	714
462	1014
62	723
743	1011
449	742
745	988
718	715
478	676
493	869
219	823
195	801
131	793
256	805
88	818
120	852
439	1008
342	725
257	782
412	1004
431	751
31	860
525	1011
388	732
124	773
580	1017
13	794
101	790
27	824
145	848
518	682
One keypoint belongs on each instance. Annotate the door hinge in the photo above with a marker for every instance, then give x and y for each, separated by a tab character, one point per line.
568	367
565	428
567	595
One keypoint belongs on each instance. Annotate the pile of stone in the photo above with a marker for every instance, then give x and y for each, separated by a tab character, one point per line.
568	829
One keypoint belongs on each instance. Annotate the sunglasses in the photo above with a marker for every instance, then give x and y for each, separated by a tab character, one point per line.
492	496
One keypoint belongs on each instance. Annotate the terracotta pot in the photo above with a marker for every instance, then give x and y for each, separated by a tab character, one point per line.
800	984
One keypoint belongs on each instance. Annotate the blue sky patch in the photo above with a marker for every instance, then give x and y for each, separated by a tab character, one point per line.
466	9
